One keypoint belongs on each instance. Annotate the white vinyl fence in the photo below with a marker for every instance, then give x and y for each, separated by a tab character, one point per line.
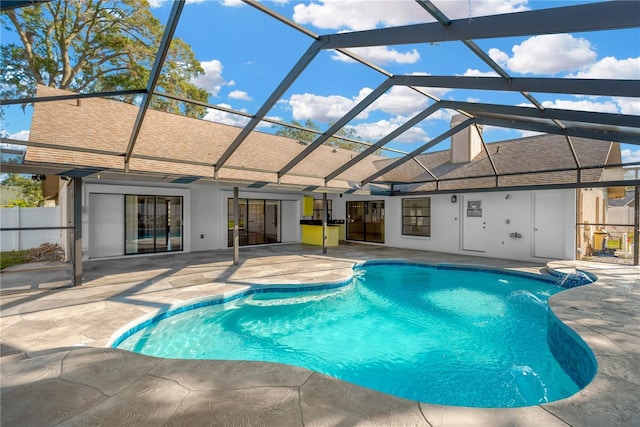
29	217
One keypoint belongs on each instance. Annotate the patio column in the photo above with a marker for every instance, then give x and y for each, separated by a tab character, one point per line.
76	241
236	229
636	226
325	214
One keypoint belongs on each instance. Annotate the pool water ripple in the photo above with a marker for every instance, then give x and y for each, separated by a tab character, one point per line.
449	336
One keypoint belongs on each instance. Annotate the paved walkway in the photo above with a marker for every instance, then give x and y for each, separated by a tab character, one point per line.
56	370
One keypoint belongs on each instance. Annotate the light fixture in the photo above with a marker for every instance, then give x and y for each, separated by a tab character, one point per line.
454	198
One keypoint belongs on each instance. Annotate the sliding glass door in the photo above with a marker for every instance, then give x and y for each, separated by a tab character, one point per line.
258	221
152	224
272	221
365	221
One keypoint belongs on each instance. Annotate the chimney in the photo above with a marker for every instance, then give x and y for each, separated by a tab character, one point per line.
466	144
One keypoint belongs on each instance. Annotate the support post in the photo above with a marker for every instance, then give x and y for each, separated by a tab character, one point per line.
76	242
236	228
325	214
636	227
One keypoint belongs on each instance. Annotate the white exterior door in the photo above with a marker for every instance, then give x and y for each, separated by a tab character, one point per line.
106	225
474	225
290	229
548	224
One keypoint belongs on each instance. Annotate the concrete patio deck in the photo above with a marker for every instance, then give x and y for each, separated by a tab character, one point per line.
55	369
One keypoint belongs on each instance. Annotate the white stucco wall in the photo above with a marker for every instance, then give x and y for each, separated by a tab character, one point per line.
204	210
205	219
209	214
447	229
112	244
207	223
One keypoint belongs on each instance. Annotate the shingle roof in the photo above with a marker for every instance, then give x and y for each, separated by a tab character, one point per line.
181	146
105	125
520	161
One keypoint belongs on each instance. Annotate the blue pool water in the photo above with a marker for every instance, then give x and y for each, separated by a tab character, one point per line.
439	335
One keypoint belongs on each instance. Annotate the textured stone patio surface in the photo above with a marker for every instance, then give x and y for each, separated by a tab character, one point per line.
56	369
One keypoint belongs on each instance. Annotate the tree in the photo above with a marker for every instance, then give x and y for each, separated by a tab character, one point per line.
306	135
31	190
95	46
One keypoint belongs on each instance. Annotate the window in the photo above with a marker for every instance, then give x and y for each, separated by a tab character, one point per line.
258	221
416	217
318	208
152	224
365	221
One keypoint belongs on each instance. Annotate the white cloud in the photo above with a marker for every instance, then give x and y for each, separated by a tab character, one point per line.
611	68
628	105
401	100
354	15
232	3
340	14
475	8
239	94
443	114
320	108
415	134
629	156
547	54
212	79
374	131
380	55
22	135
224	117
377	130
499	57
472	72
582	105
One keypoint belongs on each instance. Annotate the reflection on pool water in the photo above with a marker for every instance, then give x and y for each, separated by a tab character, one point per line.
454	336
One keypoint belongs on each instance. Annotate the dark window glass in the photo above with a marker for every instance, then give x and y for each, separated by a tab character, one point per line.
365	221
416	217
258	221
317	209
152	224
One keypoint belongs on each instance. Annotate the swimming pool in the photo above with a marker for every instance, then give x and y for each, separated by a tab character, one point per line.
444	334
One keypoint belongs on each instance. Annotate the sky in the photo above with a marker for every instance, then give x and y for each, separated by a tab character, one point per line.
246	53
